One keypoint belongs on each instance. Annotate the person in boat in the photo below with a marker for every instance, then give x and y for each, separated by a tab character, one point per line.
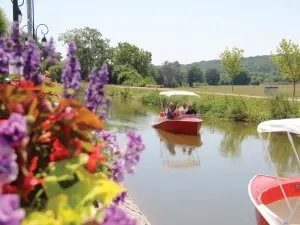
171	111
191	111
183	109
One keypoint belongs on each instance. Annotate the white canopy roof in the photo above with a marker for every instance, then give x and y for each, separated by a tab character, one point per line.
171	93
283	125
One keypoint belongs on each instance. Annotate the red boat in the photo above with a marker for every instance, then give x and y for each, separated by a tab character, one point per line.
269	201
183	124
277	199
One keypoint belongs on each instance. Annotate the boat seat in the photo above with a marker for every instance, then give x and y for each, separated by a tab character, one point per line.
274	194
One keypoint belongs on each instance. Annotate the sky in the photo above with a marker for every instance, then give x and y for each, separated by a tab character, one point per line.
184	30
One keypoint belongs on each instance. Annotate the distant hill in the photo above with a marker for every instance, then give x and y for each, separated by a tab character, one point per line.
257	66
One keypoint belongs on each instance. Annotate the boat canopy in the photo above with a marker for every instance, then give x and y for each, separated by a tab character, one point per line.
171	93
283	125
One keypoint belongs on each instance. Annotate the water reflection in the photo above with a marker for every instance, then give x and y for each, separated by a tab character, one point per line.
234	135
182	150
283	155
230	156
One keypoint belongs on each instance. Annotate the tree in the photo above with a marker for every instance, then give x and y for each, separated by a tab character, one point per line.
156	73
242	79
172	74
93	50
287	60
195	74
3	23
212	76
138	59
231	62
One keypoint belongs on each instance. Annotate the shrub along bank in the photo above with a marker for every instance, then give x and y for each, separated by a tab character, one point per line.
229	107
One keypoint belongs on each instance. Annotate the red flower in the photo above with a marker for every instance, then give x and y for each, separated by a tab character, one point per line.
67	129
27	84
9	189
60	152
95	157
29	182
78	146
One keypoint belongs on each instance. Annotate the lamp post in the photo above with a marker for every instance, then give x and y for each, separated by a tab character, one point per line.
35	29
17	14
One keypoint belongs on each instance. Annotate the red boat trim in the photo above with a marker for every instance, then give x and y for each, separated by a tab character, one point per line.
266	190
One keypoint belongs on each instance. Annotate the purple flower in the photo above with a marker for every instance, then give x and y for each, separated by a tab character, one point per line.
15	37
113	215
95	95
13	130
8	165
50	51
32	61
10	213
110	139
128	157
71	73
120	198
132	154
4	60
118	170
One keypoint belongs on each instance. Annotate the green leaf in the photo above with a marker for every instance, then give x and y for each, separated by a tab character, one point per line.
87	145
60	207
62	171
41	218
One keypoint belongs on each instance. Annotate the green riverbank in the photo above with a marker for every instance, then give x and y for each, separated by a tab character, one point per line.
235	108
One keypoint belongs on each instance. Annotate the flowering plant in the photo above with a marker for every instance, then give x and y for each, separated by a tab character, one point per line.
57	164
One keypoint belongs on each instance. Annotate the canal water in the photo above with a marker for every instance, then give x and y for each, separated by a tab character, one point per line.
198	180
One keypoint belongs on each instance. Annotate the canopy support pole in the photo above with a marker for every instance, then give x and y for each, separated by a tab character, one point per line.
274	168
293	146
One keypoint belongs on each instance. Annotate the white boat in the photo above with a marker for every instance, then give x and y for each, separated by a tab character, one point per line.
277	199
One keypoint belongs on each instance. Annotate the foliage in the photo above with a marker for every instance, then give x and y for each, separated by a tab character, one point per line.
212	76
260	67
288	61
132	56
156	73
231	107
242	79
93	49
255	81
56	156
55	72
231	62
3	23
125	93
281	107
195	74
130	77
171	74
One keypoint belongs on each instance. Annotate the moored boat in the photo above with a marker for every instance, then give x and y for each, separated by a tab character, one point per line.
277	199
183	124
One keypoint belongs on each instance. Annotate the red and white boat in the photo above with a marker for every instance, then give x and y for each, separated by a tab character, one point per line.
277	199
183	124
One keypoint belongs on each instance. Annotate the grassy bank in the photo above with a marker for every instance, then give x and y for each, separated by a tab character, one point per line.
229	107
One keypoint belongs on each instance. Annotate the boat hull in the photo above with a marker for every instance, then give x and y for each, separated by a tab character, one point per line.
183	125
264	192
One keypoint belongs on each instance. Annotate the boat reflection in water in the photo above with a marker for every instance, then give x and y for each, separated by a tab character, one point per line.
184	147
